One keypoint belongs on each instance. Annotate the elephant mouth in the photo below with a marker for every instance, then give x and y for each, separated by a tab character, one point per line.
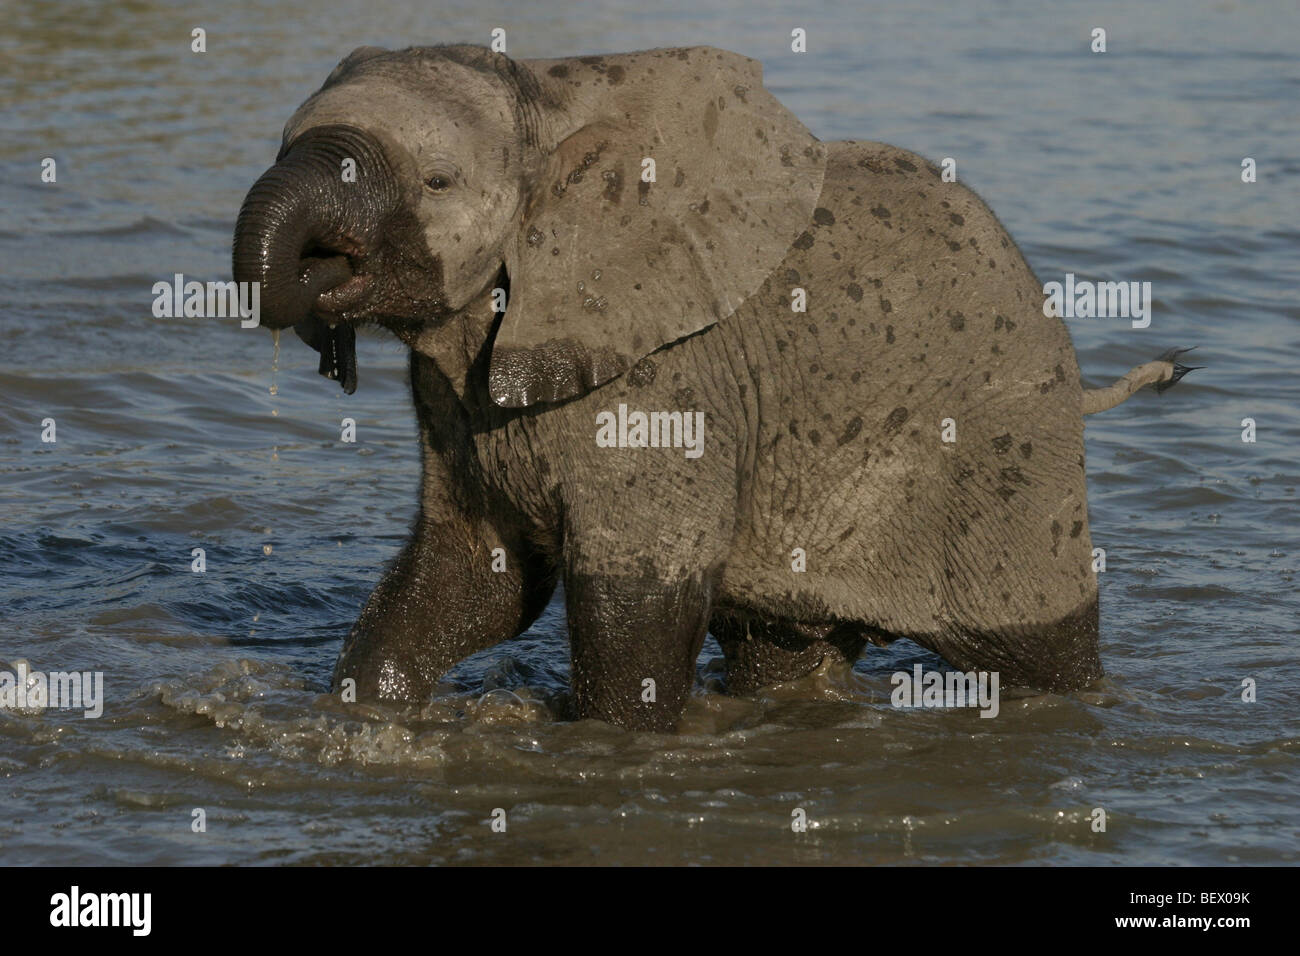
338	356
335	276
336	286
337	344
347	295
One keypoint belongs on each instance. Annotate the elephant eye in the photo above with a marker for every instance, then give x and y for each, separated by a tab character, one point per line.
438	182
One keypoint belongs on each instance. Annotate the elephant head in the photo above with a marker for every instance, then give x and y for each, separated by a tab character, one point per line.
624	202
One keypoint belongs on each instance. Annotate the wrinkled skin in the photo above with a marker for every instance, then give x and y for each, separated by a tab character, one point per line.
822	432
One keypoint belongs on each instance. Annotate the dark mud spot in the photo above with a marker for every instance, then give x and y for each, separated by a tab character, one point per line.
641	374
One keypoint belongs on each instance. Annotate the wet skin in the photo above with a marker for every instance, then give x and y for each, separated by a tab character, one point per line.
825	512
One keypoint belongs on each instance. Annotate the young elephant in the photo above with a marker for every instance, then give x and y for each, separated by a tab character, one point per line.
716	396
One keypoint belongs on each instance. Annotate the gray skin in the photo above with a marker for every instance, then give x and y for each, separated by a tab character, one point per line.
822	427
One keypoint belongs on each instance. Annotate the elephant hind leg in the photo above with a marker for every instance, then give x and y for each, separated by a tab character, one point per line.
761	652
1057	656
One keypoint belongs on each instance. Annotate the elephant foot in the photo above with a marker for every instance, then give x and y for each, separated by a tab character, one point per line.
761	653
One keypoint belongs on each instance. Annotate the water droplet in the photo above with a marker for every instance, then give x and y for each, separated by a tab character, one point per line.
266	549
275	362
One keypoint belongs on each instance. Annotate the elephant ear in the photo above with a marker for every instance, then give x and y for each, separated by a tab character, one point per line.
610	266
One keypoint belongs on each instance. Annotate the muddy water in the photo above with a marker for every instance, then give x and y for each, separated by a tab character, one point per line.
1123	166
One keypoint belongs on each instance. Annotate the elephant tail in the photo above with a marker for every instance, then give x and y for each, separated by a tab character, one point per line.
1161	374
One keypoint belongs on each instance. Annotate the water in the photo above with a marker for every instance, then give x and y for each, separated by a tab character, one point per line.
171	437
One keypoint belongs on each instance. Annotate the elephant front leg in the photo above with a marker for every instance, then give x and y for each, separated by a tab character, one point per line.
444	598
634	644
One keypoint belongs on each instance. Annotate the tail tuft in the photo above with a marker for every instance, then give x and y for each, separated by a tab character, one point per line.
1179	369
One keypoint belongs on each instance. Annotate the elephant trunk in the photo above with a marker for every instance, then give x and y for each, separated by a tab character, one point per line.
304	225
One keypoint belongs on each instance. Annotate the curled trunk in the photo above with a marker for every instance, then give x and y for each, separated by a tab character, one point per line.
300	230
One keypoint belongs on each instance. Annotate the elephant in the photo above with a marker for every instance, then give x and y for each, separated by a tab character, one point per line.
708	372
